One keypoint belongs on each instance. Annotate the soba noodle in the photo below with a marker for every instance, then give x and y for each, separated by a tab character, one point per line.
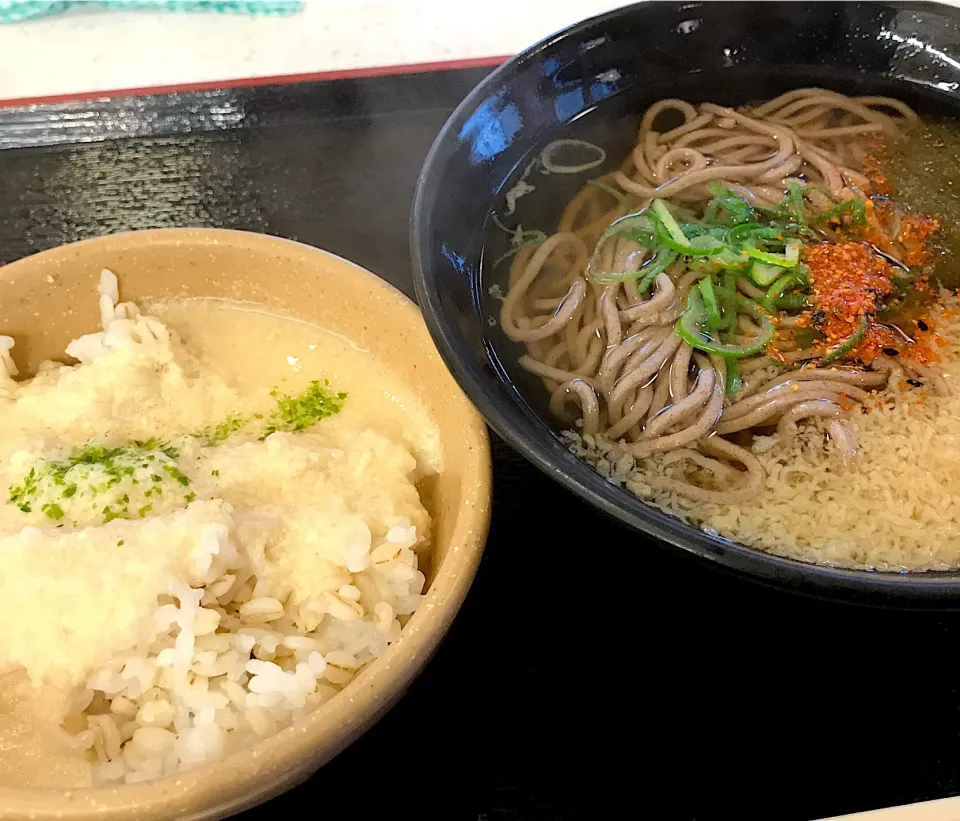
611	355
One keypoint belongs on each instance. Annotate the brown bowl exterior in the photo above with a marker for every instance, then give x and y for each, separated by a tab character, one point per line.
49	298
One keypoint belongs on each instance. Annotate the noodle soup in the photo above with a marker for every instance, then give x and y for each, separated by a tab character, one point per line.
746	324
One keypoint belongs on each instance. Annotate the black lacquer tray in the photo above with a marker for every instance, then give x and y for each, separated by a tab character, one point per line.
591	674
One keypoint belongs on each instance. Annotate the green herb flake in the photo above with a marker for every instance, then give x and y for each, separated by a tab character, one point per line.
214	472
174	473
19	493
220	433
190	497
120	543
296	413
53	511
93	470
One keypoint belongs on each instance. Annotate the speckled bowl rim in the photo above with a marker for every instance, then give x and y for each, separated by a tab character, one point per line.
253	775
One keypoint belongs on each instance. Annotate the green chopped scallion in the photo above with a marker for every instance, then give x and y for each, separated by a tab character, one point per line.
734	380
714	321
764	274
856	207
661	210
848	344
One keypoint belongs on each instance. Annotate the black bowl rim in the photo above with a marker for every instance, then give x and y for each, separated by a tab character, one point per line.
924	588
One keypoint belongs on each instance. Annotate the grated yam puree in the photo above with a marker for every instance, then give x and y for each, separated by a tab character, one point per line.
202	541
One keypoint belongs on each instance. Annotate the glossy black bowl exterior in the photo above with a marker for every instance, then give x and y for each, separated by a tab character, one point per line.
727	52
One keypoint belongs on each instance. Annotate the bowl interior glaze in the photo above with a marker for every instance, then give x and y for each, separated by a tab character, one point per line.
592	79
50	298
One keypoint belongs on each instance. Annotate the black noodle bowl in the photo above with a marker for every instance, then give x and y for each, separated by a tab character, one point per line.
526	105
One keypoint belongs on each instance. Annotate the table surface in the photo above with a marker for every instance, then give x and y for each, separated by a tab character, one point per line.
90	49
589	665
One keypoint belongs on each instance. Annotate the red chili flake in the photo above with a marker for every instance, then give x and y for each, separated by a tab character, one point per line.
849	281
914	235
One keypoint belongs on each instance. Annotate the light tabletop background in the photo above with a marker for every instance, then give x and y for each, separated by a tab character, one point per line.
89	49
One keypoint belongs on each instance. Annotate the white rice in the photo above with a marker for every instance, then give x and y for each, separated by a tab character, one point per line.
222	670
